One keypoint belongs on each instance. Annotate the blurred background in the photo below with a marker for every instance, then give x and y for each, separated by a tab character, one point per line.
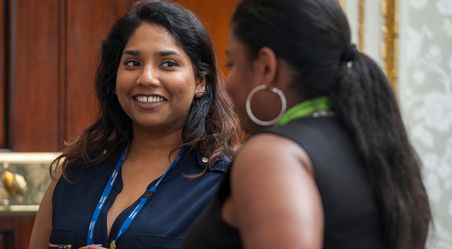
49	51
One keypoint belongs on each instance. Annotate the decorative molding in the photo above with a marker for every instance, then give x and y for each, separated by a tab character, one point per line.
361	24
62	72
389	9
11	15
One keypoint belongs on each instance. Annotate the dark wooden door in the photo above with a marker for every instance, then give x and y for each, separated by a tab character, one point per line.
51	48
48	51
15	231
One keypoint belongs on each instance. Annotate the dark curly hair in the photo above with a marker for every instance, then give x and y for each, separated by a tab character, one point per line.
211	126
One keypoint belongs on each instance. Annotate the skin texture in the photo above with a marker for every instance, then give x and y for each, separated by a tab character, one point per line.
153	69
274	200
160	69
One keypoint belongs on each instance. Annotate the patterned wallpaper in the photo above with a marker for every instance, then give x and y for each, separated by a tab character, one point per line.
425	94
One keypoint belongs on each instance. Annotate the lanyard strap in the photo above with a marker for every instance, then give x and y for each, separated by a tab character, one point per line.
143	200
103	198
304	109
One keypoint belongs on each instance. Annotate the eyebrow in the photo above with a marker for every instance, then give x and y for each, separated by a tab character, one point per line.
161	53
168	52
132	52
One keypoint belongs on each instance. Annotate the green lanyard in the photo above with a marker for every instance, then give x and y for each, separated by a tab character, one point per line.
304	109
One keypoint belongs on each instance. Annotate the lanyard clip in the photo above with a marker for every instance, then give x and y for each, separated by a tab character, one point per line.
147	195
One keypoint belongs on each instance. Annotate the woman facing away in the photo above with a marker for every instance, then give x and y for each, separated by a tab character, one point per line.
336	170
163	116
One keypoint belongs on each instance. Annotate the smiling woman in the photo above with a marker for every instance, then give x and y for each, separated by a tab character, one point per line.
156	84
163	116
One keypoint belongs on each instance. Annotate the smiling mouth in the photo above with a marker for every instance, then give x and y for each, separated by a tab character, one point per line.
149	99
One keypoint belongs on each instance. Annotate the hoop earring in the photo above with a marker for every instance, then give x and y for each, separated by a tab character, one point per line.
273	90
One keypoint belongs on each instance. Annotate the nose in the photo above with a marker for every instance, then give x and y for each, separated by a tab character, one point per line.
148	77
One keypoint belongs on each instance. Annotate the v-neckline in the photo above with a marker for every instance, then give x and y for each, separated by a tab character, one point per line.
115	226
117	188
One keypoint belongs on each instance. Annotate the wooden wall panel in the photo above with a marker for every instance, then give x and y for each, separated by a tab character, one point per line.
33	85
3	53
216	16
87	24
16	231
50	50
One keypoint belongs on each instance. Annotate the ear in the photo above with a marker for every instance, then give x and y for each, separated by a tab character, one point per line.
200	87
266	65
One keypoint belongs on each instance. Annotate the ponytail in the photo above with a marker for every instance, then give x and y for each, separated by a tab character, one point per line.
364	101
316	37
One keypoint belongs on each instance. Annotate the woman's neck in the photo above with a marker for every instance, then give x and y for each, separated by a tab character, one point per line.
148	144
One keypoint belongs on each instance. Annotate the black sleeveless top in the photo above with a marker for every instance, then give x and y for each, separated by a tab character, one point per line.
351	214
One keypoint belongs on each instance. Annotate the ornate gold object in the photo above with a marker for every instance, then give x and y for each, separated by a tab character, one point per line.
389	9
14	183
361	24
24	177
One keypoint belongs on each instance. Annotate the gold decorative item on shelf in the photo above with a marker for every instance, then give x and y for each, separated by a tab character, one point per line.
24	177
14	184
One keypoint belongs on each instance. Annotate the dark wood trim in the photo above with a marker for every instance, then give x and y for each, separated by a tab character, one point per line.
17	230
11	74
6	239
62	73
3	78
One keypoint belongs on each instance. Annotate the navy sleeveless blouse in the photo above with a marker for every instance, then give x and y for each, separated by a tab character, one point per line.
162	223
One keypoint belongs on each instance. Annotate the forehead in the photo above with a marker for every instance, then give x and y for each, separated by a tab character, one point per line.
236	48
152	36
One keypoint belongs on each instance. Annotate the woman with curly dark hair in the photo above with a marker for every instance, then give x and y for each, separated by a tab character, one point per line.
165	135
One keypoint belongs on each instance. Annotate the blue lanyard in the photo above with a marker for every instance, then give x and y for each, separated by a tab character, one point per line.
125	225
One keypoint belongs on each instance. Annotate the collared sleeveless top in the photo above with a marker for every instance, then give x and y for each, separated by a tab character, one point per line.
351	213
163	221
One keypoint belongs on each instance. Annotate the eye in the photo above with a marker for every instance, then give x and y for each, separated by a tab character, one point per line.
132	63
229	65
169	64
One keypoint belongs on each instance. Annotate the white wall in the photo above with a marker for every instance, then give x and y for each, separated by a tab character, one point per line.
425	94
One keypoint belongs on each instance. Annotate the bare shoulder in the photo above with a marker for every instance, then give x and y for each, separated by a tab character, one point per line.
271	150
274	197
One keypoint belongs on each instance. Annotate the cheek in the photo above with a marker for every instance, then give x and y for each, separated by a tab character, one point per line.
181	87
237	86
123	81
121	89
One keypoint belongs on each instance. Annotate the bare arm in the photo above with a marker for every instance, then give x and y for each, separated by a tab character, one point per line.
43	223
275	202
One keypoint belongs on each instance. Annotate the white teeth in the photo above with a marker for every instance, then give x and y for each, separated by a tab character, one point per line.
149	99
